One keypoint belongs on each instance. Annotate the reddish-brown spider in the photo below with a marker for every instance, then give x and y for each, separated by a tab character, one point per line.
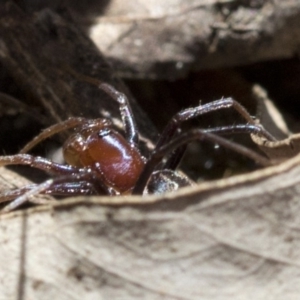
99	159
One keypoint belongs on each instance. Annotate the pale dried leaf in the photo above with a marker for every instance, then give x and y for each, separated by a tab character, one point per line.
230	239
268	114
10	180
288	144
279	150
166	39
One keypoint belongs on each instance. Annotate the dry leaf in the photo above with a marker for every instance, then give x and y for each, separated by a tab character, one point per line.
288	144
230	239
279	150
167	39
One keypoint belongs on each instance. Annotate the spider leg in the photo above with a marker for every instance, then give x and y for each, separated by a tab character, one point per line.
73	188
190	113
82	184
59	189
35	190
176	156
52	130
174	159
183	138
127	116
57	169
12	194
40	163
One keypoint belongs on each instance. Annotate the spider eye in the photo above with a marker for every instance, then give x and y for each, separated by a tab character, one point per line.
104	132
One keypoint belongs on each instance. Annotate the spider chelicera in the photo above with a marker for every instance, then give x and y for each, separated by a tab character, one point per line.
99	159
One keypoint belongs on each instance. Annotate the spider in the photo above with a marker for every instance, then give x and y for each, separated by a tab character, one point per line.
100	159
